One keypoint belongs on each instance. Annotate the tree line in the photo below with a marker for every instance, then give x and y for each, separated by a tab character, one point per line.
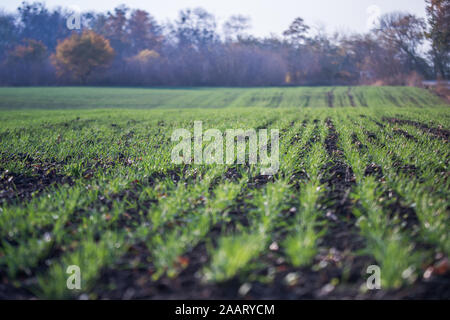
130	47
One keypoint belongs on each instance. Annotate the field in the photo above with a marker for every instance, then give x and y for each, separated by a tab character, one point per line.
86	179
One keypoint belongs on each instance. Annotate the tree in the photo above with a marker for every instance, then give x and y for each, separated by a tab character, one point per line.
297	52
31	50
37	22
297	31
115	29
26	62
404	33
190	52
235	27
373	61
79	55
8	33
143	31
144	68
195	28
438	12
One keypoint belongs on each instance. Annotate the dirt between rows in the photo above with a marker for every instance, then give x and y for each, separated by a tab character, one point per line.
398	164
21	187
437	132
337	272
288	282
350	97
408	215
330	98
336	254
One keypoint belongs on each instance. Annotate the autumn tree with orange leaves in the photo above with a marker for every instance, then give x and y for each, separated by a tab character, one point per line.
81	54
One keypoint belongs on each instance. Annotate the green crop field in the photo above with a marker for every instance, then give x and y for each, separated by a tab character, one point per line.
86	179
88	98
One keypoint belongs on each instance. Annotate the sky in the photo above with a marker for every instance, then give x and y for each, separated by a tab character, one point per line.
267	16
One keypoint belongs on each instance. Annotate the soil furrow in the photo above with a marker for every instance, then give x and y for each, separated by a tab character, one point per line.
437	132
350	97
330	98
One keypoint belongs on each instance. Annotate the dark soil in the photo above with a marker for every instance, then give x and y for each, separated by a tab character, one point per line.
21	187
137	284
405	134
350	97
393	99
437	132
362	147
289	282
131	276
362	100
400	166
374	170
307	100
407	214
330	98
340	180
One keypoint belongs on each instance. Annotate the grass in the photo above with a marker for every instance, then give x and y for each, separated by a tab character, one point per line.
271	97
86	179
